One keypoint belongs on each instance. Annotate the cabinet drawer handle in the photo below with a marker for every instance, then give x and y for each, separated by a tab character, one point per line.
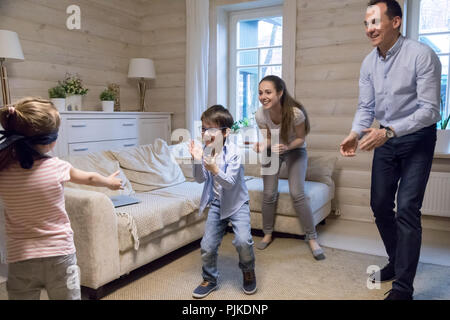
128	124
81	149
79	126
129	145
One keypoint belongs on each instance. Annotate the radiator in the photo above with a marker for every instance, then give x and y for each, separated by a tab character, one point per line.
437	195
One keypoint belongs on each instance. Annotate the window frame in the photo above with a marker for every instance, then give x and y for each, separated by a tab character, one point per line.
412	32
234	17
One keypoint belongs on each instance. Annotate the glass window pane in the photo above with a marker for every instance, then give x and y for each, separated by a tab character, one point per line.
271	56
439	43
247	58
270	32
246	92
272	70
247	34
434	16
262	32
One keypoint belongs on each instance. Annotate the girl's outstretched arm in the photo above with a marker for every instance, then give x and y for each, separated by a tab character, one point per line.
95	179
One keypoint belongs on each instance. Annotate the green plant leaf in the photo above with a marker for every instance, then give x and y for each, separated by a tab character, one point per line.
107	95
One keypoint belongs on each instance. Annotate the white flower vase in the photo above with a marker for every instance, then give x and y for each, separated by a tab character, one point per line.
59	103
74	102
108	106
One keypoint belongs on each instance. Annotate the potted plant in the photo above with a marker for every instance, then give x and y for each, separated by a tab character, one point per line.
58	97
107	97
443	135
243	131
75	91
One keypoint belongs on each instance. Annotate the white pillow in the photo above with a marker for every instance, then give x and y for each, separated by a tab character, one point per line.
150	165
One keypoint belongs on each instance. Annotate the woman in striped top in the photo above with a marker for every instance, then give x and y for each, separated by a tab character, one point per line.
40	245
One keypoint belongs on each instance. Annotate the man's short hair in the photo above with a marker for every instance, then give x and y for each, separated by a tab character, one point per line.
219	115
393	8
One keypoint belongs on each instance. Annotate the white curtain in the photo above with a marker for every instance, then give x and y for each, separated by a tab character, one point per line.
197	57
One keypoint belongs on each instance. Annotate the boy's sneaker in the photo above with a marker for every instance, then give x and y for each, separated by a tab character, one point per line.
249	286
204	289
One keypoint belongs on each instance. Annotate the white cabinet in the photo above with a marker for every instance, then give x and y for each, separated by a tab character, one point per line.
82	132
150	129
79	130
84	147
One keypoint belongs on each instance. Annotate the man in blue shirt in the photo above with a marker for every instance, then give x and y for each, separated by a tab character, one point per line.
219	166
399	86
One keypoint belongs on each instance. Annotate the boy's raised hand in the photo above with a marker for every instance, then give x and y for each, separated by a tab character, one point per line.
210	164
196	151
113	182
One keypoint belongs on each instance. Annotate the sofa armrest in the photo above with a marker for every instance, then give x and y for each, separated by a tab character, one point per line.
94	223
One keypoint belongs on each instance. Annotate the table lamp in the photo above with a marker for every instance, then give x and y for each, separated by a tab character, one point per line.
10	50
142	69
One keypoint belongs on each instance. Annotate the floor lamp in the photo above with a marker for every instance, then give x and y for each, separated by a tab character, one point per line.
142	69
10	50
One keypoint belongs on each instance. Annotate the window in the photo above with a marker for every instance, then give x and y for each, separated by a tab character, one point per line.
256	50
429	22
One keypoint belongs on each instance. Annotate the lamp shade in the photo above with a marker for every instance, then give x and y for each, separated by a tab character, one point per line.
10	47
141	68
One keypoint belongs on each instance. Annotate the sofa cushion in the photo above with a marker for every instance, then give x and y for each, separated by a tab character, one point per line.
320	169
150	166
103	163
317	194
157	209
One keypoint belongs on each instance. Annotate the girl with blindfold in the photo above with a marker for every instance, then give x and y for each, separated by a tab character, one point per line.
40	245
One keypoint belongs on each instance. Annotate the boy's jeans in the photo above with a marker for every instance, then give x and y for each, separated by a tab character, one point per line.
214	232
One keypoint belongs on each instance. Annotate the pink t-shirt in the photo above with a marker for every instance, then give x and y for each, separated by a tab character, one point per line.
36	221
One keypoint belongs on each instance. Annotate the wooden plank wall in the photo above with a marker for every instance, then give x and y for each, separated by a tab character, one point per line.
164	40
331	45
99	52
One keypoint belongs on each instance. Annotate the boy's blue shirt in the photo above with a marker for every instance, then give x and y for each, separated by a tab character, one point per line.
233	191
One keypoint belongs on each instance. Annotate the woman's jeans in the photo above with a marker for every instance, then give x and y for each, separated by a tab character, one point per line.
215	230
296	162
402	164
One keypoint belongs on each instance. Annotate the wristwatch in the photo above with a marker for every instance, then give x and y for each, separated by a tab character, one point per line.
389	133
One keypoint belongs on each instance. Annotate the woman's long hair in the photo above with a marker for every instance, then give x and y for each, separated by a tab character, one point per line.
28	117
287	105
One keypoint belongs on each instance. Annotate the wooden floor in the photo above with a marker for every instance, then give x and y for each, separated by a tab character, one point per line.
364	238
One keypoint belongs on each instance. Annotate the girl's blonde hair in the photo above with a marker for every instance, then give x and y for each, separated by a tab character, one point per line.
288	103
29	117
